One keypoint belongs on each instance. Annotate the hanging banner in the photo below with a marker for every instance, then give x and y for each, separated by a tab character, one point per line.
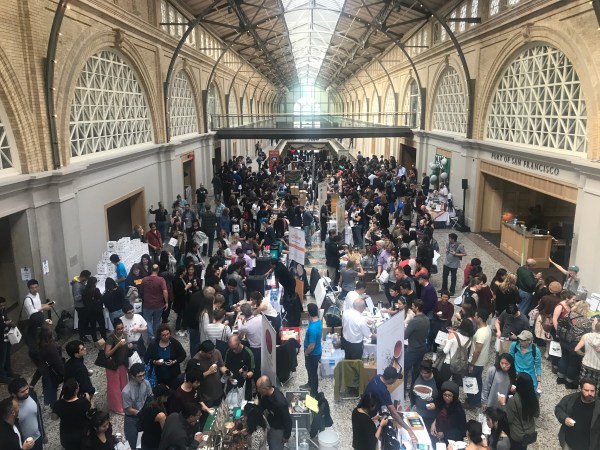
268	351
390	352
297	242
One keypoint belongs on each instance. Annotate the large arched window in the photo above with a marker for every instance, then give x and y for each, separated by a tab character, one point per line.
390	107
233	109
538	102
375	108
449	107
213	106
6	157
109	109
365	109
184	119
412	104
245	111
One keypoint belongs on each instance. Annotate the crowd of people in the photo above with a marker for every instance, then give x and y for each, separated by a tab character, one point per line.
391	233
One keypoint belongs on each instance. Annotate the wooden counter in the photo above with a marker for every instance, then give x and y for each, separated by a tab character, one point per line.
513	242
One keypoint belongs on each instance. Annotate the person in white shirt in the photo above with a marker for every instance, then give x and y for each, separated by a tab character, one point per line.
358	292
32	302
134	325
355	329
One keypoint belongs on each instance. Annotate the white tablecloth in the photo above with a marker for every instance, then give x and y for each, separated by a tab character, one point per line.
422	435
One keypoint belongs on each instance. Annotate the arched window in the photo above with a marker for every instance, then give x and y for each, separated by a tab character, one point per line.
412	105
213	107
109	109
449	107
390	107
233	109
6	158
183	117
245	111
538	102
375	108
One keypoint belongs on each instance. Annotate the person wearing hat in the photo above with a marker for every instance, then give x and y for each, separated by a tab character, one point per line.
424	392
134	325
528	357
152	417
572	281
451	421
211	363
379	386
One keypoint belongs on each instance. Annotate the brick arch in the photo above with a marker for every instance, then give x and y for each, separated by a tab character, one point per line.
577	53
79	55
23	131
450	62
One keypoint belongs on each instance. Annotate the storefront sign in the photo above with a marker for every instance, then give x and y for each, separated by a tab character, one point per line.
526	164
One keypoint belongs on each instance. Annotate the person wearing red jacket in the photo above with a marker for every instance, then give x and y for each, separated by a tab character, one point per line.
154	240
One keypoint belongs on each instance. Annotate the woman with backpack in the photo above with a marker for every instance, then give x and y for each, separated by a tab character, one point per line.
590	342
528	358
92	300
52	364
569	329
459	338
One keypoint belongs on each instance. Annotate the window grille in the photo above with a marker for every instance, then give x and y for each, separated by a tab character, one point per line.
183	117
109	110
449	109
539	102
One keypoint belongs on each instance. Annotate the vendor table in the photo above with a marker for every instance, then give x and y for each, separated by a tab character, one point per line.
417	425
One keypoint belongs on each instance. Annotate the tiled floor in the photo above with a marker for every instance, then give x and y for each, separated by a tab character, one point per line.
475	245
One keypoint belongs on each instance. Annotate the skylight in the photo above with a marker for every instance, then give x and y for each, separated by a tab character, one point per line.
311	24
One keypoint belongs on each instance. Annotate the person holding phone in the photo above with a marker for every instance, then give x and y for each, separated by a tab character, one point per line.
166	354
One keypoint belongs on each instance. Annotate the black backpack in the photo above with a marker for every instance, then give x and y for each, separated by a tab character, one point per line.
333	317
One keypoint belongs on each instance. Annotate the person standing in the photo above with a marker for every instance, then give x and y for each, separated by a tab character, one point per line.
307	221
210	362
75	367
201	195
356	329
134	397
52	365
521	411
180	430
155	241
166	354
208	227
275	406
9	411
77	287
323	218
312	348
239	360
479	356
427	295
161	217
121	271
579	416
455	251
134	325
31	423
156	298
6	372
527	282
71	408
116	348
416	333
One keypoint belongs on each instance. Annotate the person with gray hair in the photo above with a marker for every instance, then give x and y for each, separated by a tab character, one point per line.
275	407
355	328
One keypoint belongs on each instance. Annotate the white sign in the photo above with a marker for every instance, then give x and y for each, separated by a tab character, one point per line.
441	338
268	351
25	273
470	385
45	267
390	352
297	242
555	349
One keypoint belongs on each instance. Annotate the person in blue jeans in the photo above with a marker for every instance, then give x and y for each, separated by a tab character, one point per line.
154	292
480	350
312	348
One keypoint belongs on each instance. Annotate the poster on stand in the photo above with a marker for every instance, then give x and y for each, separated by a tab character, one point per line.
268	353
297	242
390	352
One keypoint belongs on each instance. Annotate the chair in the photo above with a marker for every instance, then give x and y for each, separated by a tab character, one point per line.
349	373
453	222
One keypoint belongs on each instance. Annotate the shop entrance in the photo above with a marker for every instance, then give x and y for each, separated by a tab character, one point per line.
189	179
124	213
8	264
502	200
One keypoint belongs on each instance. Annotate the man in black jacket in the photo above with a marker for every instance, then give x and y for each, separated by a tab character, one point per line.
274	404
9	410
579	414
31	423
75	367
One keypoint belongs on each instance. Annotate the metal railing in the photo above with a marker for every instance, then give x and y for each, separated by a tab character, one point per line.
283	121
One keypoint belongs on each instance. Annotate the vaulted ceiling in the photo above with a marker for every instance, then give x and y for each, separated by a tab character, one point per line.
316	42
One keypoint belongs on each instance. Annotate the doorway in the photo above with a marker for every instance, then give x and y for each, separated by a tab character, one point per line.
408	155
189	180
124	213
8	265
